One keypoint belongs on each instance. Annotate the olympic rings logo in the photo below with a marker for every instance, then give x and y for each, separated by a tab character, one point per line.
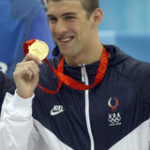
114	118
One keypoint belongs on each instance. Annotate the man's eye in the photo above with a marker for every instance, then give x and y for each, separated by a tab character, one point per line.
69	17
52	19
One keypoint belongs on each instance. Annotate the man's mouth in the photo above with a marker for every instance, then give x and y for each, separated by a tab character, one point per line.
65	40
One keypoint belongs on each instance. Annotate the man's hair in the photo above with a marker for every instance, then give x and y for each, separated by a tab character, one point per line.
88	5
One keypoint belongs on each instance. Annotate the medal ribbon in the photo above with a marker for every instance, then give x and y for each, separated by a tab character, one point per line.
62	78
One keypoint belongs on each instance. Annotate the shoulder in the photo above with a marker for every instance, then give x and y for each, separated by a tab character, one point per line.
135	70
136	73
137	67
128	66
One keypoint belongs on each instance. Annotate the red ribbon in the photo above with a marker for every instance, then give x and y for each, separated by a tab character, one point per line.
27	44
62	78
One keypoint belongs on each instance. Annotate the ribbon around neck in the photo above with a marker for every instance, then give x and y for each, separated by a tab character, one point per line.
62	78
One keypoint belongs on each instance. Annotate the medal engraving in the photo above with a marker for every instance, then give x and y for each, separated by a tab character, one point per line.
39	49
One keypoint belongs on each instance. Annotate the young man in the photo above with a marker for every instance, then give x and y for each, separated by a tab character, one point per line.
98	106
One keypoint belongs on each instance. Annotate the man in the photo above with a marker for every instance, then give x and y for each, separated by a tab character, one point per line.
96	107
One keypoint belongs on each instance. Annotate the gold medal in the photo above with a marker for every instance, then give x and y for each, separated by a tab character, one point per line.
39	49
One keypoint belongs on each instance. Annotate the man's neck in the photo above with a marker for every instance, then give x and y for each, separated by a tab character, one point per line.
88	56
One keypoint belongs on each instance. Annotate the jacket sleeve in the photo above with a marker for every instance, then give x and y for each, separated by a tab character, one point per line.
16	122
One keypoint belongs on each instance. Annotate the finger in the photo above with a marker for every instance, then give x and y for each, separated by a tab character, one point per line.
34	69
32	66
29	57
22	72
25	64
28	74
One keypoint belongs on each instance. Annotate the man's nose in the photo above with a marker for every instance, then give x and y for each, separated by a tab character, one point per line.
60	27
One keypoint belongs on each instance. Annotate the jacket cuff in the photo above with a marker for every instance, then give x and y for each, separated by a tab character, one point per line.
22	103
16	107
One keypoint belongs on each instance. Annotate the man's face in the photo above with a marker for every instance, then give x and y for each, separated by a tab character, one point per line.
70	26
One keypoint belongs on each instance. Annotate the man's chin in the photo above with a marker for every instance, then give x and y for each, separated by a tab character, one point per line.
64	49
66	52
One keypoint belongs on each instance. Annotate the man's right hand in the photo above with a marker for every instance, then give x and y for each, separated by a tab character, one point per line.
26	75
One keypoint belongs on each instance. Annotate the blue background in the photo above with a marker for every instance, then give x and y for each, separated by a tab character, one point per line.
126	23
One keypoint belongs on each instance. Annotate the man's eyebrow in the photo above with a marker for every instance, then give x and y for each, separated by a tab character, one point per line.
69	13
49	15
65	14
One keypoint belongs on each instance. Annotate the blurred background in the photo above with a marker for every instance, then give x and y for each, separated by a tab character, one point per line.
20	21
125	24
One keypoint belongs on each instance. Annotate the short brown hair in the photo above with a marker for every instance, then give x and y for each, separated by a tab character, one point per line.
88	5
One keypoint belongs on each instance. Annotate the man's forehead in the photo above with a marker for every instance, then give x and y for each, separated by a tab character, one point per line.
63	0
57	1
63	5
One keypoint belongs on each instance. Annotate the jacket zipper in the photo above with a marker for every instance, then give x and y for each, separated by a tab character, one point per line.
87	113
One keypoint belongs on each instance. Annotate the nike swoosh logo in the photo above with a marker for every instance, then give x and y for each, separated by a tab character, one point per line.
54	112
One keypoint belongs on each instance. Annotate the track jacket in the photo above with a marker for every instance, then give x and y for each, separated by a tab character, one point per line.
113	115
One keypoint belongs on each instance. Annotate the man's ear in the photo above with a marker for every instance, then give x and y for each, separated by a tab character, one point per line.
97	16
